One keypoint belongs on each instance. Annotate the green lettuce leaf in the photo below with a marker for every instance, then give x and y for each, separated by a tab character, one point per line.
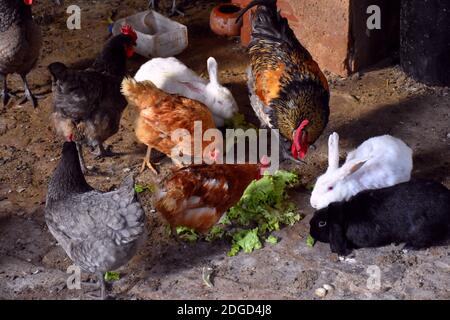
112	276
310	241
272	240
246	240
187	234
139	188
263	208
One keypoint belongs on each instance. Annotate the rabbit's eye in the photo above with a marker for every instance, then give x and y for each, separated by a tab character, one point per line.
322	224
330	188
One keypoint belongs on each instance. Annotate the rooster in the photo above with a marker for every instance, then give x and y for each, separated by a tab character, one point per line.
20	45
88	103
161	114
197	196
288	91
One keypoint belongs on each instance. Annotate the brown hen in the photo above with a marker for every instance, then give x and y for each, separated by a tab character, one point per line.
196	197
161	114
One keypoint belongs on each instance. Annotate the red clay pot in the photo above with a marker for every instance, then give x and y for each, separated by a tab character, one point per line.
223	20
246	29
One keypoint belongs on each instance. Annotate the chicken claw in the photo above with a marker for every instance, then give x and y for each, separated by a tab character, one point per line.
147	163
28	94
103	153
4	94
99	285
175	10
154	4
91	171
5	98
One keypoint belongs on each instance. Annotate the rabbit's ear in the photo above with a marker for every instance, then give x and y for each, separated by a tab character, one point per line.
194	86
213	70
338	241
333	152
352	167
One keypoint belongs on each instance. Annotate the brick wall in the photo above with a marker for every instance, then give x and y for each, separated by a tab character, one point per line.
323	27
335	32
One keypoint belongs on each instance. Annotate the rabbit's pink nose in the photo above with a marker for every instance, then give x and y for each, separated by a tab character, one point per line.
215	155
265	161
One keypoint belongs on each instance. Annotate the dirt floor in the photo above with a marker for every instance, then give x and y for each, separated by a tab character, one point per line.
380	101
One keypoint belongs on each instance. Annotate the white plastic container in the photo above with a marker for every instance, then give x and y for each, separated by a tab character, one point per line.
158	36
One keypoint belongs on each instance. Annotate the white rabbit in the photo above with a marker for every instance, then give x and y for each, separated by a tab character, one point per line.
377	163
172	76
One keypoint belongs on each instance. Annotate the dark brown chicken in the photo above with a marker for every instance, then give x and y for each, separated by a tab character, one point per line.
197	196
88	104
288	90
20	44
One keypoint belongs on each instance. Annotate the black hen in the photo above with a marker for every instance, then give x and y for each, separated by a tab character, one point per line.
88	104
99	231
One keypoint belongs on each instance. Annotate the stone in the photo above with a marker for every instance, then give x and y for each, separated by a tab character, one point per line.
328	287
320	292
246	28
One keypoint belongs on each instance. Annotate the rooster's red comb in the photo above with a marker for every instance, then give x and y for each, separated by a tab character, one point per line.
129	31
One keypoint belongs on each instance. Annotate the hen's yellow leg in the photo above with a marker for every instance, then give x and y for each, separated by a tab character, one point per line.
147	163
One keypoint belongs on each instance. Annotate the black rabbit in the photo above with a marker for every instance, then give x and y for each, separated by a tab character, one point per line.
416	213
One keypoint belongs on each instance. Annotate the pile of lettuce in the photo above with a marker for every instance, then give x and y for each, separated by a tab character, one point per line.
263	208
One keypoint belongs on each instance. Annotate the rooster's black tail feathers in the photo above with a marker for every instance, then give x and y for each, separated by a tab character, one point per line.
269	24
271	4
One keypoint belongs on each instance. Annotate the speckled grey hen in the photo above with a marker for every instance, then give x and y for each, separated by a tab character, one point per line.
99	231
20	44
